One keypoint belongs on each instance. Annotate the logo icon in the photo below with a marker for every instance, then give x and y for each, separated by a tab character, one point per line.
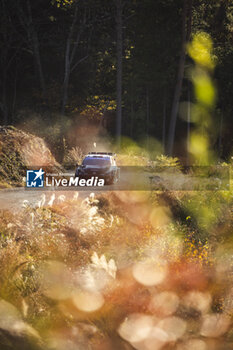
35	178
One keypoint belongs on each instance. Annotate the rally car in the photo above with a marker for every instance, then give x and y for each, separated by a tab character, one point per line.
101	165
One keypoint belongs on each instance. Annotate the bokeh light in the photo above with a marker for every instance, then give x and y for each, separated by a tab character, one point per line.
200	50
160	216
164	303
149	273
193	344
56	280
214	325
174	327
198	301
88	301
136	327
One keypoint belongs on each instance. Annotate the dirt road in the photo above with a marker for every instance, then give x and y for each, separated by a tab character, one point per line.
134	179
14	199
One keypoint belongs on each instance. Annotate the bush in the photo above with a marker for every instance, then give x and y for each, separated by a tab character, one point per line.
72	157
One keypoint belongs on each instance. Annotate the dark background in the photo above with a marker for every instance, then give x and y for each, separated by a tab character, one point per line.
58	62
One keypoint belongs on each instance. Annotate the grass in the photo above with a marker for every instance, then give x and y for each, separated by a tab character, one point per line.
58	266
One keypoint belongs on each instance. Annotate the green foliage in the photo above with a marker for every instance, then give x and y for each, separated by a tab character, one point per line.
60	3
96	107
165	161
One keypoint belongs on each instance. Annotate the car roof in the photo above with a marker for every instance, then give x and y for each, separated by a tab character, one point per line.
98	156
102	153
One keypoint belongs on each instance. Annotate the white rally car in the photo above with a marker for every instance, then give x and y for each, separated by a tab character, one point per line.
100	164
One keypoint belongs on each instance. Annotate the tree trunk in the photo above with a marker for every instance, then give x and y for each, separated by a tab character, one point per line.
164	120
188	124
66	78
36	50
3	105
4	102
119	70
220	138
4	64
131	108
147	118
180	75
15	94
39	69
69	57
131	118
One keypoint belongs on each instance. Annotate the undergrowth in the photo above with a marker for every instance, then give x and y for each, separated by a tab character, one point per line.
92	272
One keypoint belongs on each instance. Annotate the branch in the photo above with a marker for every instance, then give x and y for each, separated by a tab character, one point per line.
12	57
77	63
75	45
127	18
78	37
22	17
71	34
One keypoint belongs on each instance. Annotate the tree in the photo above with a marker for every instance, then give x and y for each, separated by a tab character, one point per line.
186	32
128	52
25	15
9	49
119	30
77	28
5	46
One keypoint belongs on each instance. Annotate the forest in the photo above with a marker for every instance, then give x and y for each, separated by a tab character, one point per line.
148	85
121	64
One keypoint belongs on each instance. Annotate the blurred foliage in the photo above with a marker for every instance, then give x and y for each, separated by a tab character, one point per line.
147	267
201	50
163	161
60	3
203	137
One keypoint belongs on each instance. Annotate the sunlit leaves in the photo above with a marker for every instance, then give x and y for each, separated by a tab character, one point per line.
199	146
200	50
204	89
62	3
96	106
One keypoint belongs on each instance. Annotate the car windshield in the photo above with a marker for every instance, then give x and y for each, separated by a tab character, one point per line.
102	162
